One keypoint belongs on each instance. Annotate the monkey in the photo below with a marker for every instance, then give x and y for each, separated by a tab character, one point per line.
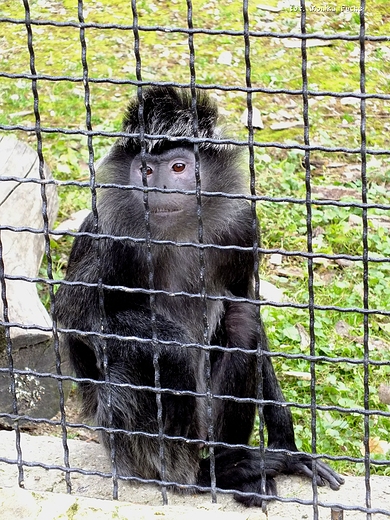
158	315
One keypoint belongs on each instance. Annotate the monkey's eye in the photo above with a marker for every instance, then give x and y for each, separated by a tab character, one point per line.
179	167
149	170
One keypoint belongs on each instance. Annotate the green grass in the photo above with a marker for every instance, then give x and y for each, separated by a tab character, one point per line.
280	173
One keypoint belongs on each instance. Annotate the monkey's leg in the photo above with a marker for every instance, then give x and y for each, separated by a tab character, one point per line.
133	412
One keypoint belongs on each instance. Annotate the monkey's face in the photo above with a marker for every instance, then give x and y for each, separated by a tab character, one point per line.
169	179
171	170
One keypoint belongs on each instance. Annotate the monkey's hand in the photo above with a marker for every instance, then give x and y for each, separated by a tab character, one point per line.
178	414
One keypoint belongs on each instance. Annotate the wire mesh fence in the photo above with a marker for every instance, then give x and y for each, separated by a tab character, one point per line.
159	311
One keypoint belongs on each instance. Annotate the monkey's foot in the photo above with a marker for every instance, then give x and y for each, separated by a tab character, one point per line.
252	474
302	464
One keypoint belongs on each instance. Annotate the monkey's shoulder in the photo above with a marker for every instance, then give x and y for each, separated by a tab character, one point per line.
237	228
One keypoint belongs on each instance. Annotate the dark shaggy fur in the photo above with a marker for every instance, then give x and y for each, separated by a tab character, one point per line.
168	112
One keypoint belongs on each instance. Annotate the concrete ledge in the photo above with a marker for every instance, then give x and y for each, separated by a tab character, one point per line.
37	505
45	494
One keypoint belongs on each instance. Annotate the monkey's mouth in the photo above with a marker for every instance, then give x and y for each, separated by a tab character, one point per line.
165	211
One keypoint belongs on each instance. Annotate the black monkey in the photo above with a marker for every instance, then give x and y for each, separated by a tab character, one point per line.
124	313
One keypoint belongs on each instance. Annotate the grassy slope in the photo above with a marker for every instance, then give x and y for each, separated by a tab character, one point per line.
279	172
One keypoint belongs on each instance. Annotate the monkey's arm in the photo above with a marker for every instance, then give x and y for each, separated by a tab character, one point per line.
242	326
77	308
